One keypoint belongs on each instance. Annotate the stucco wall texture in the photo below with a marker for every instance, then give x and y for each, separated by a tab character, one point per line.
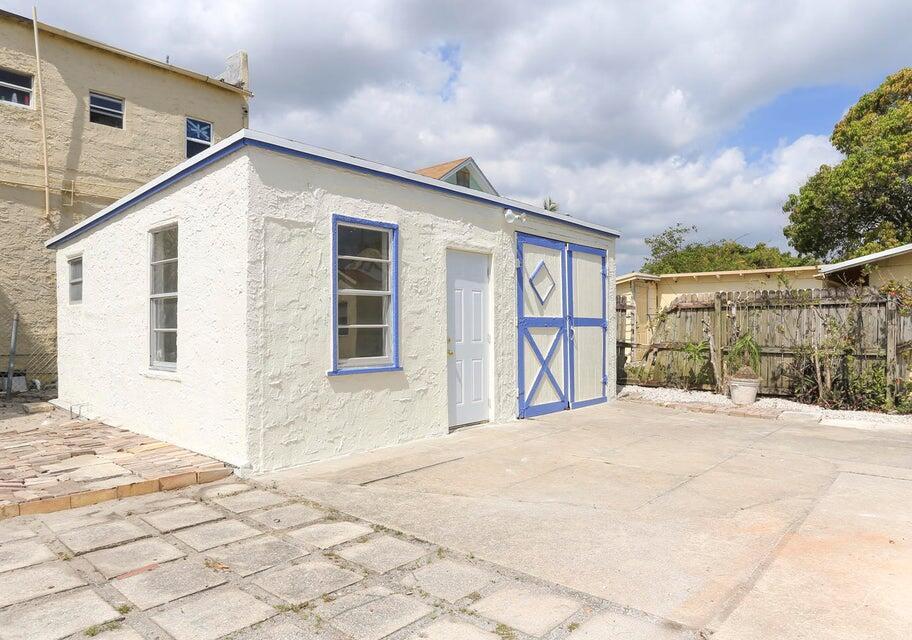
103	163
269	325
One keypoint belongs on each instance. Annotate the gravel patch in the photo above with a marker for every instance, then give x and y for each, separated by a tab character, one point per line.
665	394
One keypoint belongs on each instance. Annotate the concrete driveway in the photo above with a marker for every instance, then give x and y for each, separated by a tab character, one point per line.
687	523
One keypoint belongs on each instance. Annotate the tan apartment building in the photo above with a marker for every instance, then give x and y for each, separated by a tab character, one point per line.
112	121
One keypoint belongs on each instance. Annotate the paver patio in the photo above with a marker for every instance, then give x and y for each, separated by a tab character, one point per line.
51	461
803	533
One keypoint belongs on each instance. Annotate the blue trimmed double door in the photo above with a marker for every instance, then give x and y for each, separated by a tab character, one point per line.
562	327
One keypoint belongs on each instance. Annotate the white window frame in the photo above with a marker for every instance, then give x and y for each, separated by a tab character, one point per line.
29	90
71	281
389	361
108	112
153	363
187	137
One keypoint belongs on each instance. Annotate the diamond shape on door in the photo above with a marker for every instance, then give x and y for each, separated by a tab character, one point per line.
542	282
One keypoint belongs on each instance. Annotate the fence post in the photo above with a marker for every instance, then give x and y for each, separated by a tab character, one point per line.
717	340
891	350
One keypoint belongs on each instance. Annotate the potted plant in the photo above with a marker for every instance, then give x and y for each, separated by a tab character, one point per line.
744	383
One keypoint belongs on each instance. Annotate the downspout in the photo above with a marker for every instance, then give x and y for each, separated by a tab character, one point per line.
44	148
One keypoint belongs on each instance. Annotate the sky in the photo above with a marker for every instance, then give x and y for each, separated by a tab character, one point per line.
637	115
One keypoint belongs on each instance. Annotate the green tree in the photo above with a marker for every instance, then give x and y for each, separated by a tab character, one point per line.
866	200
550	205
670	252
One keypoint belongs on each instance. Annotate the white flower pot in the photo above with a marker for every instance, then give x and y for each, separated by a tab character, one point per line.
743	390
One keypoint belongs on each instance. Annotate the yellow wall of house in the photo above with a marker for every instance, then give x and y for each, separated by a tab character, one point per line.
103	163
898	268
652	296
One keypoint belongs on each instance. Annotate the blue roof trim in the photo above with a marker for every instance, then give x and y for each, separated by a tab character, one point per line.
433	187
246	137
91	223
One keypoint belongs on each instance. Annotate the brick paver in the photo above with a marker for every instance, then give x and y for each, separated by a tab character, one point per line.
50	462
193	565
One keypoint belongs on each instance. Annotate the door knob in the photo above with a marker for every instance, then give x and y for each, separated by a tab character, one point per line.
449	353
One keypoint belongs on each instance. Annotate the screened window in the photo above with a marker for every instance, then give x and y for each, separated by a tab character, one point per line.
163	298
75	269
365	335
199	136
15	87
106	110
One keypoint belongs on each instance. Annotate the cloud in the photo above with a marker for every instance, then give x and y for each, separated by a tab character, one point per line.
614	108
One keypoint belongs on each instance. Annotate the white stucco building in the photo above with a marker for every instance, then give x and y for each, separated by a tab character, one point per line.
270	304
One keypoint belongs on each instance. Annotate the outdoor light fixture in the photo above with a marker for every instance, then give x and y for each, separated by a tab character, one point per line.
510	216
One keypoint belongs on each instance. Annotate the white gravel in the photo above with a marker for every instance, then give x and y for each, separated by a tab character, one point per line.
832	416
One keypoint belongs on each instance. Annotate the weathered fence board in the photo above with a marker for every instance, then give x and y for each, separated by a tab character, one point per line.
786	324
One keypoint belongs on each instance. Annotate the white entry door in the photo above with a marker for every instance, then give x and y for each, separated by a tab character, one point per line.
467	337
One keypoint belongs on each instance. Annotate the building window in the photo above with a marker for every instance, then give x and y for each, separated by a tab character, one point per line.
163	298
75	271
106	110
199	136
15	87
365	296
462	177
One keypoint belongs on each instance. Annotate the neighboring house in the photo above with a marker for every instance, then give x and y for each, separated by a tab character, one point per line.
114	120
647	295
874	269
463	172
269	303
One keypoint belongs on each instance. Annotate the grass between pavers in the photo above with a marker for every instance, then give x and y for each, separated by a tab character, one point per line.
95	629
505	632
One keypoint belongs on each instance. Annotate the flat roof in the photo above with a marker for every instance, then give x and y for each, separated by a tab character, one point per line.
248	137
716	274
215	82
863	260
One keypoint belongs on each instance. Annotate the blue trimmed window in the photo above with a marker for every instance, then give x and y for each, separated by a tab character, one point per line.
365	296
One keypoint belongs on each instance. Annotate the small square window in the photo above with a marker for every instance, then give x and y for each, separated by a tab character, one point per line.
15	88
75	279
199	136
106	110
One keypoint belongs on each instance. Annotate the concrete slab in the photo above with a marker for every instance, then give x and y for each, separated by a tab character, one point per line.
12	530
265	552
63	521
24	553
147	503
56	617
128	557
381	618
41	580
213	615
531	611
450	580
453	630
293	515
333	606
306	581
616	626
383	554
166	583
215	534
250	500
209	492
329	534
99	536
181	517
848	570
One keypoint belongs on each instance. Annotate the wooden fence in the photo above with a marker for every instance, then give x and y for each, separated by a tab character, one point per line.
786	325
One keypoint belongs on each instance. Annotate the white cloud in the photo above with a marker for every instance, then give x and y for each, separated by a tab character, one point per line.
614	108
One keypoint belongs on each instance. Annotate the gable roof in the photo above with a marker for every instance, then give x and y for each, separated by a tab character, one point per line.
439	171
446	170
868	259
248	137
15	17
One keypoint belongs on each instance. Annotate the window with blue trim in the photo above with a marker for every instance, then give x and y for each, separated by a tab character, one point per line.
365	295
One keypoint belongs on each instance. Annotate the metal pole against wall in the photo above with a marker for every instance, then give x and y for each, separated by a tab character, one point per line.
44	146
12	358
